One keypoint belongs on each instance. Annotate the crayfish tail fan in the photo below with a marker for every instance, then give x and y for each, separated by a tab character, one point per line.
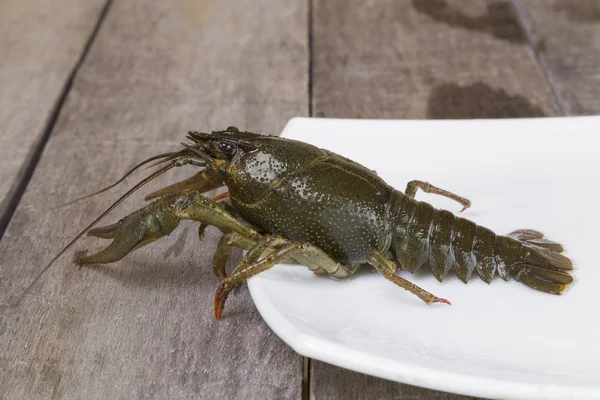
541	266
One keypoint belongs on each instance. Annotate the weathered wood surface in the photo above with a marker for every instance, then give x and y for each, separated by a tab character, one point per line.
424	59
39	47
329	382
566	37
418	59
144	327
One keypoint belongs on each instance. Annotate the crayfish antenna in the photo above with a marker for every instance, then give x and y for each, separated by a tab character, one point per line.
163	157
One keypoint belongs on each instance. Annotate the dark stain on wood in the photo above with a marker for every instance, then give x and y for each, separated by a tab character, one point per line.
586	11
499	20
540	46
452	101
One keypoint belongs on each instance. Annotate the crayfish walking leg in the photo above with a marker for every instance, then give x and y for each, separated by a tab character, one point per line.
253	263
269	251
202	182
412	186
387	268
313	258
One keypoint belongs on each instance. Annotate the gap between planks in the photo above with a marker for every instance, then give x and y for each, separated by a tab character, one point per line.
521	21
307	362
15	193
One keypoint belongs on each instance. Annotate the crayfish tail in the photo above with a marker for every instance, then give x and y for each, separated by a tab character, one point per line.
444	242
536	238
540	264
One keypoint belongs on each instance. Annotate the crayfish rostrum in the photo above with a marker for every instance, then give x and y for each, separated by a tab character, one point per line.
291	201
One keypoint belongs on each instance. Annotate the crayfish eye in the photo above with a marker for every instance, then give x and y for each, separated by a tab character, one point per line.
227	147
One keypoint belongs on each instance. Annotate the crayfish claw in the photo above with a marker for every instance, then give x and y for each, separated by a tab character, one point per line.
105	232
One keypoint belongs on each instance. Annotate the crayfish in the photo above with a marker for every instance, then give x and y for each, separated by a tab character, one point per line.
291	201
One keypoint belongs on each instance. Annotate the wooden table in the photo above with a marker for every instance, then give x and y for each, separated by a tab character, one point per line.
91	87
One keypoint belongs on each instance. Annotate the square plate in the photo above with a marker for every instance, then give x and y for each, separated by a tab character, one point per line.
502	340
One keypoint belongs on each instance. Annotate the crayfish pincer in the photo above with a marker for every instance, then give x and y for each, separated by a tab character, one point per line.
290	201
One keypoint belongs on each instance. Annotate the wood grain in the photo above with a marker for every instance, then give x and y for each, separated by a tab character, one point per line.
424	59
329	382
39	48
418	59
144	327
566	37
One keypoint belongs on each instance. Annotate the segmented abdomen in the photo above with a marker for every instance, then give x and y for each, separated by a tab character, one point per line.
423	235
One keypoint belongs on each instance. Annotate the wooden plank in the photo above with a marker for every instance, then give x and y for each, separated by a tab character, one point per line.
426	59
423	59
144	327
337	383
39	48
566	37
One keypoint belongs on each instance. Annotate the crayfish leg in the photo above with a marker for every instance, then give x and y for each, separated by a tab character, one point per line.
223	250
266	252
221	256
387	268
411	191
252	265
202	182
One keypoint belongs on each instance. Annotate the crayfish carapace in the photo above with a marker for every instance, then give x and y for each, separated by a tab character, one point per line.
291	201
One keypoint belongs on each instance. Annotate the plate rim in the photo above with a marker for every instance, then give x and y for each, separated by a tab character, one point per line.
309	346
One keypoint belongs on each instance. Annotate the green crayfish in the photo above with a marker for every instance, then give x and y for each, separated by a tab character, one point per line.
291	201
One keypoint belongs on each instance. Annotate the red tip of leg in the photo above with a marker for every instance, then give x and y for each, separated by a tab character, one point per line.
221	196
440	300
218	310
217	304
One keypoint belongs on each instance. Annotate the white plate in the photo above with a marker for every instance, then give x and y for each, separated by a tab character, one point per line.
502	340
